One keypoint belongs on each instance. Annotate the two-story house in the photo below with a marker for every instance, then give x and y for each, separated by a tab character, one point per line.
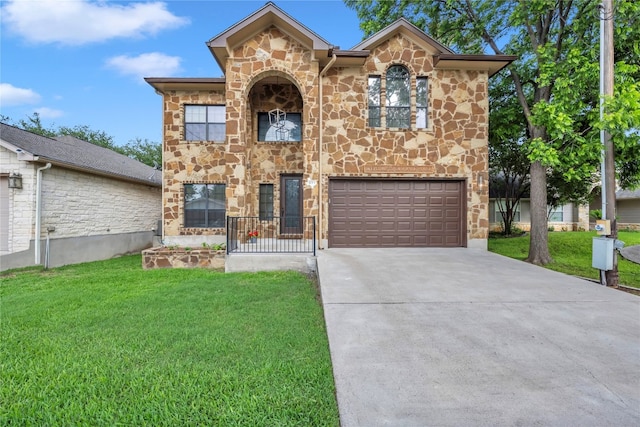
381	145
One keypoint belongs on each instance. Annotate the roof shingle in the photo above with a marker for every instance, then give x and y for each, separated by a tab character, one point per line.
82	155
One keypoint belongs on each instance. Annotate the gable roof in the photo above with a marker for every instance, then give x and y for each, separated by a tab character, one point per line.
443	57
401	26
222	45
73	153
270	14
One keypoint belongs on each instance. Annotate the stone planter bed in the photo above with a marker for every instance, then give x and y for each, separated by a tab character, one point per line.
179	257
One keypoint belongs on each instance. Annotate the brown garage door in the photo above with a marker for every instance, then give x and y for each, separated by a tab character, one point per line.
396	213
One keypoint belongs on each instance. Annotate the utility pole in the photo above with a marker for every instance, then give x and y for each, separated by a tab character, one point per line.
608	173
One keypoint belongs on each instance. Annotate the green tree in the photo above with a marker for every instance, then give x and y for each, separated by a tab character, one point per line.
145	151
555	80
34	124
96	137
142	150
508	161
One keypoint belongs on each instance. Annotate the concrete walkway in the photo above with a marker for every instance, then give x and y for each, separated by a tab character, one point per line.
462	337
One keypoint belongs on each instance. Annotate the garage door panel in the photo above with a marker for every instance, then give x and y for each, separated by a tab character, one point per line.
404	241
420	226
452	201
403	213
419	200
387	213
404	226
452	186
404	200
420	240
436	201
436	214
387	199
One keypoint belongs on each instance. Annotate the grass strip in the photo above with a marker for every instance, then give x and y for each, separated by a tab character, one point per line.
572	253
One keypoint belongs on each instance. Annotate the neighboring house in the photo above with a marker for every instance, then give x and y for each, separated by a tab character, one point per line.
383	145
92	203
571	217
627	208
568	217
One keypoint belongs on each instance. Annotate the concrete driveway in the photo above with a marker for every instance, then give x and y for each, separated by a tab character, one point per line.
464	337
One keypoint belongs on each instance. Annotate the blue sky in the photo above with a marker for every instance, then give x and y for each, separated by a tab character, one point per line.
79	62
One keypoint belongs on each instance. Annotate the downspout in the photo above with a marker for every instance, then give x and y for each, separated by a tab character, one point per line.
38	213
162	94
320	137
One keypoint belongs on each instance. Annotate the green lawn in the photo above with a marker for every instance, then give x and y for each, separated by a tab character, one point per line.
571	252
107	343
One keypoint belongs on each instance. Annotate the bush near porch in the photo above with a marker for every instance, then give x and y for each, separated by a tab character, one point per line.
572	253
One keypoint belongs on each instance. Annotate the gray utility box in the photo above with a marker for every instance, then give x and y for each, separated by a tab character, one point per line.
602	255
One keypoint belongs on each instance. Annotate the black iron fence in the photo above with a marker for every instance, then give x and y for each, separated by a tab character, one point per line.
247	234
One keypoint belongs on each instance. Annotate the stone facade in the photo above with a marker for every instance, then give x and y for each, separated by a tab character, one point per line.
453	146
164	257
275	69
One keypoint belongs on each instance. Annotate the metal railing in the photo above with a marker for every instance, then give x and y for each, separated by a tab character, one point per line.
247	234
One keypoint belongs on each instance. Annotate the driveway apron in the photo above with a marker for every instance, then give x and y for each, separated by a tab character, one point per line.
465	337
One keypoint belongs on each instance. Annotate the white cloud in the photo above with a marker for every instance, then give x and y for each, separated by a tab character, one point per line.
11	95
49	113
80	22
146	65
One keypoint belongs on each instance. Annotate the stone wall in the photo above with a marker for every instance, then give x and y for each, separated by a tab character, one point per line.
454	145
80	204
271	69
165	257
192	162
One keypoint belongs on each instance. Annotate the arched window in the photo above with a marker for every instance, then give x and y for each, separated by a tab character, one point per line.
398	97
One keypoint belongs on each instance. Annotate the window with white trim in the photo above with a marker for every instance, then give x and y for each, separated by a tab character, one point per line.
555	214
500	204
422	102
374	101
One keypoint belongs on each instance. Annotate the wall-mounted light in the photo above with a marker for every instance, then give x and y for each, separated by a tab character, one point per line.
15	180
480	181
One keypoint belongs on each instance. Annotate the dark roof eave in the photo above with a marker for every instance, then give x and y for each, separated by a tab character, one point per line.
93	171
349	58
162	84
492	63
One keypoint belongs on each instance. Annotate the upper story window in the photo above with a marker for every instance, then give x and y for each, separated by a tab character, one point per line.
422	91
204	123
279	126
398	97
374	101
396	101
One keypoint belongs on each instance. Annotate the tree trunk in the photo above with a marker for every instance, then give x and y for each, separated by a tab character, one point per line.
538	245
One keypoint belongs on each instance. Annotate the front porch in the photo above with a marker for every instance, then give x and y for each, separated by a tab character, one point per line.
273	235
